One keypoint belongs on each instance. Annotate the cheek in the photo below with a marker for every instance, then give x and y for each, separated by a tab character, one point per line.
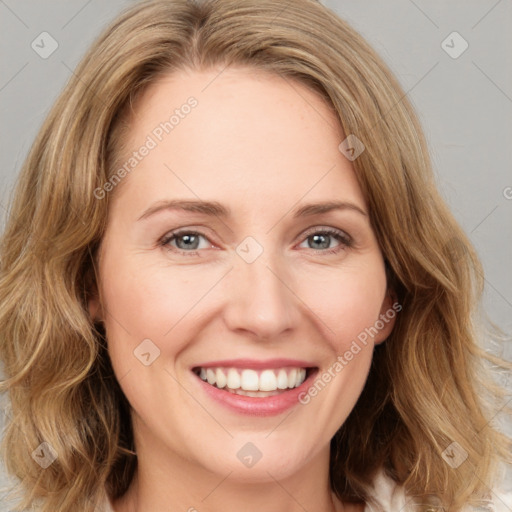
347	301
145	297
146	300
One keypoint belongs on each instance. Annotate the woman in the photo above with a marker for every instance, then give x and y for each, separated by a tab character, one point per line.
172	336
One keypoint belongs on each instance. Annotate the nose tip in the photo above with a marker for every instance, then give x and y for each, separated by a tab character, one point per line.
261	301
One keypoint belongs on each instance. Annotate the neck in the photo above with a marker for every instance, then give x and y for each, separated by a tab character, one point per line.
173	483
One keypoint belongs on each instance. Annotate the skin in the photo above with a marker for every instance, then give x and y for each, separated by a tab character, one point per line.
262	146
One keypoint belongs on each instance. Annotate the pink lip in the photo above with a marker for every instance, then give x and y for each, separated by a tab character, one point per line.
254	364
256	406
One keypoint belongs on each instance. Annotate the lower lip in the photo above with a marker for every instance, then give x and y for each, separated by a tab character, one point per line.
257	406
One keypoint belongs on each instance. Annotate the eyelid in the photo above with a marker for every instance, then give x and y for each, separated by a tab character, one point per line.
344	239
326	229
173	234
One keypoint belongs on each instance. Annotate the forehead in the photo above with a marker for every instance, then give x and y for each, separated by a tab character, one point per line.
249	135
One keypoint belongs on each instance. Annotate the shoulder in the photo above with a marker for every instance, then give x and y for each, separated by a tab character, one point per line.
388	496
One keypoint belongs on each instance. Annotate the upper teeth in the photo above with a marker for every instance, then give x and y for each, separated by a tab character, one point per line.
252	380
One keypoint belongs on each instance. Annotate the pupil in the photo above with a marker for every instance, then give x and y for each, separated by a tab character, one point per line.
325	244
187	239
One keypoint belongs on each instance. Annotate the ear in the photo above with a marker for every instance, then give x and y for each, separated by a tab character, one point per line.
386	321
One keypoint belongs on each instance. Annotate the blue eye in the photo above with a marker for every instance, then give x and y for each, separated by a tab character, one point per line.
188	242
325	235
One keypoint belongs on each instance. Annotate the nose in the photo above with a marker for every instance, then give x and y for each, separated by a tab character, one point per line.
261	298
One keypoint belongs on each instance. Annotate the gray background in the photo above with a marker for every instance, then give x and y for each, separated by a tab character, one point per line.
464	103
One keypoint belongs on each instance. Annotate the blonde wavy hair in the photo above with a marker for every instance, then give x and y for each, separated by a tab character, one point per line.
430	383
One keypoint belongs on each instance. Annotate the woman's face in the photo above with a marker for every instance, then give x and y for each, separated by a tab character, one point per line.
247	288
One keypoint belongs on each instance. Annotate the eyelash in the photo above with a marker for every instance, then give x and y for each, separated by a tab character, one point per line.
345	241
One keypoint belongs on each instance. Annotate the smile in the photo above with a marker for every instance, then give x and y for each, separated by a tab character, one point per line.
251	382
256	388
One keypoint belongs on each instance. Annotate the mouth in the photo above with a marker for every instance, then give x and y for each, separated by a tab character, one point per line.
254	382
255	388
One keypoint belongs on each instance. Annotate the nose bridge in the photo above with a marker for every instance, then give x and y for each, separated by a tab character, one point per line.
261	301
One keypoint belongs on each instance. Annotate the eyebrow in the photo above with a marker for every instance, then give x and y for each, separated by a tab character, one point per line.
214	208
